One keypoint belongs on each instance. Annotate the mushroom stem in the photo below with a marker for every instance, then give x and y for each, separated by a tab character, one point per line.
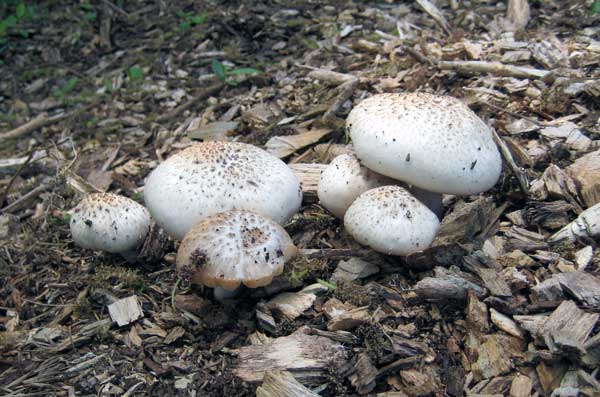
220	294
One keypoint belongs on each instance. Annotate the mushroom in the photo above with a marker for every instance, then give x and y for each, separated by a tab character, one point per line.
110	222
433	142
345	179
213	177
391	221
232	248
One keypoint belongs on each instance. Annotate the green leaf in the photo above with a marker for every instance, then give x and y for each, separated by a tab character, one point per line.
595	7
219	69
108	86
244	71
135	73
90	16
11	20
67	218
198	19
70	85
327	284
21	9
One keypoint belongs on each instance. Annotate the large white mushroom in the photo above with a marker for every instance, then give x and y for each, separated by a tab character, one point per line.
109	222
391	221
433	142
233	248
345	179
213	177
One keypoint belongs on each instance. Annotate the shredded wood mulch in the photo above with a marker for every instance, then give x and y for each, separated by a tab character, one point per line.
506	302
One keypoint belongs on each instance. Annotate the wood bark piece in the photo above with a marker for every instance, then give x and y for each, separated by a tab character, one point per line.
521	386
550	376
283	146
291	305
309	175
493	360
586	225
495	68
506	324
583	286
125	311
466	221
446	285
586	173
363	378
568	328
344	316
282	384
308	357
435	13
38	121
353	269
203	94
518	13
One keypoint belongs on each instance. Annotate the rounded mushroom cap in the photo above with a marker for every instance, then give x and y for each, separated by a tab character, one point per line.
434	142
390	220
234	247
109	222
213	177
344	180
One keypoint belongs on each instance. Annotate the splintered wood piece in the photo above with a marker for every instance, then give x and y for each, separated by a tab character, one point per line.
521	386
365	373
446	285
125	311
308	357
506	324
586	173
282	384
518	13
309	175
568	328
291	305
493	359
583	286
435	13
283	146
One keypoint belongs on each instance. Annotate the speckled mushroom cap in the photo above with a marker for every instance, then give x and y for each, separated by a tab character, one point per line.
344	180
234	247
434	142
213	177
109	222
390	220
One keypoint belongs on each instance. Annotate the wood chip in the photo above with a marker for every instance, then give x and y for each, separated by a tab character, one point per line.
283	146
291	305
308	175
586	173
506	324
353	269
308	357
493	359
282	384
521	386
364	375
125	311
568	328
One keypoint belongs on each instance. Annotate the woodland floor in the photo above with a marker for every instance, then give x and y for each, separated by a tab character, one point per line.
93	95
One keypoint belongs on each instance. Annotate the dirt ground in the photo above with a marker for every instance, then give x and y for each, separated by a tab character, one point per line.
94	95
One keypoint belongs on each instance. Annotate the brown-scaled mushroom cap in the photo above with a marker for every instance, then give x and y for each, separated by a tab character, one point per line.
212	177
232	248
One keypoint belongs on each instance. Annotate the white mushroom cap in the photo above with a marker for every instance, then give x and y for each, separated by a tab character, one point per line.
434	142
390	220
213	177
344	180
109	222
235	247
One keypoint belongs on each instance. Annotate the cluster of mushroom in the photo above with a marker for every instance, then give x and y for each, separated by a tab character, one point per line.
226	201
414	147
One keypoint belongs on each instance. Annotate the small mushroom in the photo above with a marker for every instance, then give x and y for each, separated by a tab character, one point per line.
110	222
391	221
232	248
345	179
433	142
213	177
